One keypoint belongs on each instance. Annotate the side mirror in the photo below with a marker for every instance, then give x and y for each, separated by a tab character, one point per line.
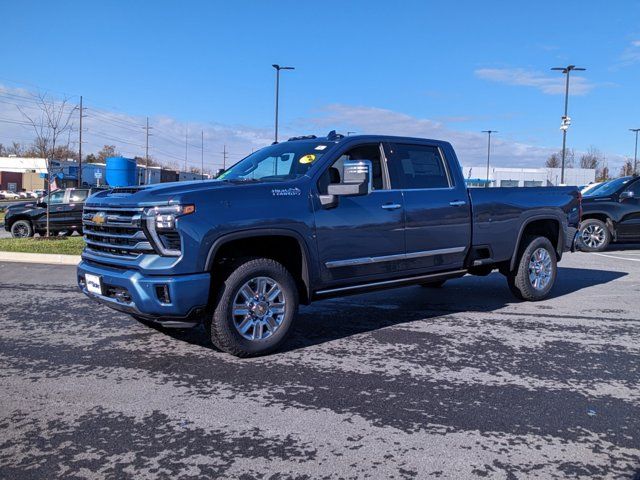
626	194
356	182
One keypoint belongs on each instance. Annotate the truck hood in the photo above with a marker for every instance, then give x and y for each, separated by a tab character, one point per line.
164	193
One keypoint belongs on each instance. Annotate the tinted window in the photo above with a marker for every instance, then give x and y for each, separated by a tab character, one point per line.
635	188
608	188
56	197
78	196
420	166
335	173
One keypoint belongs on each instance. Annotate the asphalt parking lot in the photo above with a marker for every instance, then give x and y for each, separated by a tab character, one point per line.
459	382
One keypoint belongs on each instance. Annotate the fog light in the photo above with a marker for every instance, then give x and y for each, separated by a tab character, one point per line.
162	292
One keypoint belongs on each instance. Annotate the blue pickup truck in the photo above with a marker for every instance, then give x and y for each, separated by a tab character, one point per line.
311	218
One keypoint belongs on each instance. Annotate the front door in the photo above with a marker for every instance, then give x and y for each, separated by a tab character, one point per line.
436	203
629	226
363	236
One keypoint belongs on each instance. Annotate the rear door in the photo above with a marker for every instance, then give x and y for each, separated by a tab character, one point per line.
363	236
629	226
436	205
77	197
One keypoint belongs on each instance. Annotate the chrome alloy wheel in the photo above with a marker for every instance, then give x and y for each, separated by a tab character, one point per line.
540	269
258	308
20	231
593	236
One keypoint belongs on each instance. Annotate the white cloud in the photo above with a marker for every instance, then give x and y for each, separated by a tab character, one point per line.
167	143
631	54
549	84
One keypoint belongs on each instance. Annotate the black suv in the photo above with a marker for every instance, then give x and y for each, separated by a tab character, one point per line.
611	213
65	214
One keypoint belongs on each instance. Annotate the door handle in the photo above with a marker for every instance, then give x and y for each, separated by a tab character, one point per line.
458	203
391	206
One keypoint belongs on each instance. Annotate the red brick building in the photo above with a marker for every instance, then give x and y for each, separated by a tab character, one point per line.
11	181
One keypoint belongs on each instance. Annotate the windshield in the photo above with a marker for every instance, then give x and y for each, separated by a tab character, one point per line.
283	161
608	188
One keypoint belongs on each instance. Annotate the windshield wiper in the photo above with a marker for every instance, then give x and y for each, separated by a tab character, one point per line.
240	180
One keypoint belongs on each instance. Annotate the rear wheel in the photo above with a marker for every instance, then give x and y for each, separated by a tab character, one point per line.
255	308
22	229
594	235
536	271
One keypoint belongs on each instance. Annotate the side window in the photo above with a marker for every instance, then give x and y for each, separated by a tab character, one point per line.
635	188
334	174
77	196
56	198
419	166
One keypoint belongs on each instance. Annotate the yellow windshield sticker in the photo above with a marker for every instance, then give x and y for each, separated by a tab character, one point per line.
310	158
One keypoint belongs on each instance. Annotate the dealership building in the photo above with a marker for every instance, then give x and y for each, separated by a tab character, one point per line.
527	177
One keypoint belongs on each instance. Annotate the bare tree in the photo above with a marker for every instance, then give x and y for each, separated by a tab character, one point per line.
592	159
627	169
553	161
51	121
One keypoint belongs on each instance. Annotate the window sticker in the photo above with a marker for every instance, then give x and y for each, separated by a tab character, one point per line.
309	158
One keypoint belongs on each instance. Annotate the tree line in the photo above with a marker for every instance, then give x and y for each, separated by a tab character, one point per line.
593	159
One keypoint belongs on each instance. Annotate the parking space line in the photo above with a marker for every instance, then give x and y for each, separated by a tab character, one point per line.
619	258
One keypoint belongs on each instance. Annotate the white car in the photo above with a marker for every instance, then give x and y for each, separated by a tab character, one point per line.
7	195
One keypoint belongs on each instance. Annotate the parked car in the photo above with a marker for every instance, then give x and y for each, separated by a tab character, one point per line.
7	195
611	213
65	214
308	219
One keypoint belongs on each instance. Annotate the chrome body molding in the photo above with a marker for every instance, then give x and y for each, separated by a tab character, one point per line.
388	258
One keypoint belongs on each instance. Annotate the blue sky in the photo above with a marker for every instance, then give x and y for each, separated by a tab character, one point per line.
432	68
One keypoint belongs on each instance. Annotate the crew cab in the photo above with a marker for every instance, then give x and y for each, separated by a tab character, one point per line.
611	213
312	218
65	214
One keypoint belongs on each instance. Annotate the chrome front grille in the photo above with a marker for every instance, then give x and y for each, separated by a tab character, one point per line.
115	231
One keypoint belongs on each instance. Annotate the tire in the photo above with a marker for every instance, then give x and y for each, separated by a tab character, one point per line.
437	284
536	271
22	229
253	327
594	235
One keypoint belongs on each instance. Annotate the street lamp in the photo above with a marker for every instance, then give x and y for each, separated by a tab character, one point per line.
278	68
566	121
489	132
635	155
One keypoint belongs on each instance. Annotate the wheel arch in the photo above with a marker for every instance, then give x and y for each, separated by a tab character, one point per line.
262	242
543	225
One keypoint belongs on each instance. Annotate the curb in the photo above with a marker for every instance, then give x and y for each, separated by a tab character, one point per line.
45	258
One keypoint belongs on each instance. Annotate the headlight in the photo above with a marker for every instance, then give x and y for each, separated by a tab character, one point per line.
161	222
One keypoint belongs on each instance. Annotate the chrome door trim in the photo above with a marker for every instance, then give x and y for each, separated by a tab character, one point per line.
452	273
387	258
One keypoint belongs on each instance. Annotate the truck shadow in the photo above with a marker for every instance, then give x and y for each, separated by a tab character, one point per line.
620	247
338	318
334	319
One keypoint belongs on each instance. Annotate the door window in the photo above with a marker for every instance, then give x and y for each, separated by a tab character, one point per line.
56	198
335	173
77	196
420	166
635	188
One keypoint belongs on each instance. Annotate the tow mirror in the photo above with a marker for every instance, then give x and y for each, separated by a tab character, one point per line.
356	181
626	194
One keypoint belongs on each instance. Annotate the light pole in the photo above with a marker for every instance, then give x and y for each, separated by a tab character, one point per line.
488	132
635	154
278	68
566	121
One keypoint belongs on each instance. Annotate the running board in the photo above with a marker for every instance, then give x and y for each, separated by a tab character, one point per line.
398	282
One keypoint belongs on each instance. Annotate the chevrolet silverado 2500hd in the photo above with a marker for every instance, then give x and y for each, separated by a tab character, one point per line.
312	218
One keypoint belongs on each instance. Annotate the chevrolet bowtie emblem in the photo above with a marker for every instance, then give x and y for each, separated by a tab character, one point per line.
99	218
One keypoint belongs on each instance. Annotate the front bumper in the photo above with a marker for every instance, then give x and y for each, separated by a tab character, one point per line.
131	292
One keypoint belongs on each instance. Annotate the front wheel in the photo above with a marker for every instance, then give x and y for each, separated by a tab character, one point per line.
255	308
594	235
536	271
22	229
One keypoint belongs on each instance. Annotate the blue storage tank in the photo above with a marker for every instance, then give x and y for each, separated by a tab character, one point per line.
121	172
